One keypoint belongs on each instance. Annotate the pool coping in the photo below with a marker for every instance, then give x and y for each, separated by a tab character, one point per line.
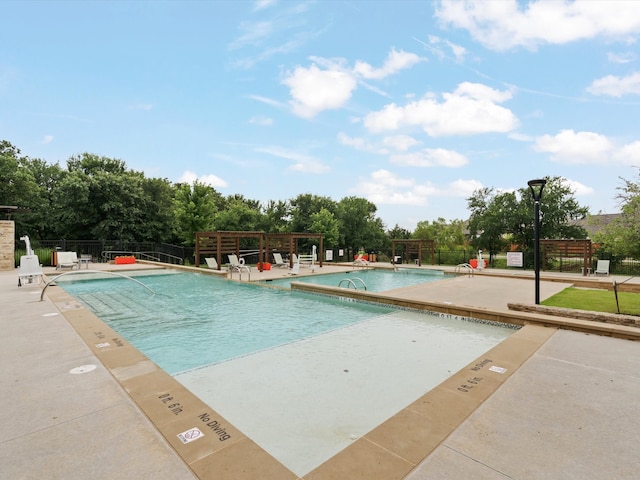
390	450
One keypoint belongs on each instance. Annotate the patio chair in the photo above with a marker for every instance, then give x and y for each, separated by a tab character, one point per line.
360	260
30	269
67	260
212	263
278	261
602	268
236	263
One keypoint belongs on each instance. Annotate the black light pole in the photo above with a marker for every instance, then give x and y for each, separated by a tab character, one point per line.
536	187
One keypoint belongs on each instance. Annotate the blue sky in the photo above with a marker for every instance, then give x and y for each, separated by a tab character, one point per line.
410	104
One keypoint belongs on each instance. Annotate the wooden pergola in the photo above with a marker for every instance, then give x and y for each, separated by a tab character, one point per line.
288	243
416	247
568	249
218	243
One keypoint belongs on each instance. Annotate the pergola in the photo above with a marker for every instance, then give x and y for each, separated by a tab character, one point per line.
288	243
417	247
568	249
218	243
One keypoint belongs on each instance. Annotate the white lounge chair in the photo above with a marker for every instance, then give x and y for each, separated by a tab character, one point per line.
67	260
212	263
235	263
30	269
602	268
278	261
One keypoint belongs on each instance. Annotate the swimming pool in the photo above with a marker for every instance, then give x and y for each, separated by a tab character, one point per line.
372	280
198	320
333	372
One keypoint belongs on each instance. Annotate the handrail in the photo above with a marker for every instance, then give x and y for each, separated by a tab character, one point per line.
90	271
351	282
108	255
239	268
470	269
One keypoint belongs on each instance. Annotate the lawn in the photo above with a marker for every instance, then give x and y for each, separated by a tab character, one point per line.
595	300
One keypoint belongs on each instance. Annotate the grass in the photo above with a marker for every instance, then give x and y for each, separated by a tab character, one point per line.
595	300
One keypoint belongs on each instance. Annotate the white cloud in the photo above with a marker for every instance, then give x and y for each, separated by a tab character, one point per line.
301	162
628	154
329	83
261	120
431	157
621	58
262	4
470	109
383	187
578	188
616	86
587	148
505	24
400	143
47	139
314	90
212	180
573	147
361	144
396	60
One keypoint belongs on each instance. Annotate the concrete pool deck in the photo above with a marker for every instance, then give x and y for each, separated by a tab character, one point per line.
559	403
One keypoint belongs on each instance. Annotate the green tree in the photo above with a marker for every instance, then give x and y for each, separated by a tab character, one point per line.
240	215
100	199
194	209
327	224
501	218
449	235
621	237
359	226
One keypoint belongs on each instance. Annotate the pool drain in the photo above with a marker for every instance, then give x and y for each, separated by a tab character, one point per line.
82	369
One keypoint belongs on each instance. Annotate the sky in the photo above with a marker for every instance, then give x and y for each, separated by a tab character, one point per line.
412	105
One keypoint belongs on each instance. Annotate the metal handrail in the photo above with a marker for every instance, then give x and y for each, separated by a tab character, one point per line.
239	268
90	271
351	282
470	269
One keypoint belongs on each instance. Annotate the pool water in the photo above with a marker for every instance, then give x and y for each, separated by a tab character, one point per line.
196	320
302	375
375	280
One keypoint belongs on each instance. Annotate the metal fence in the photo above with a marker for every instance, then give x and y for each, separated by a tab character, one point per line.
106	250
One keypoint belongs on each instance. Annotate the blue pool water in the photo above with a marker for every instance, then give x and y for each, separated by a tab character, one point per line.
375	280
195	320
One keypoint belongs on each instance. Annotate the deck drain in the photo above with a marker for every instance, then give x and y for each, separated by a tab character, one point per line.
53	314
82	369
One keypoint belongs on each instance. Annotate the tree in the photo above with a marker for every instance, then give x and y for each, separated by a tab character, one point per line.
444	234
501	218
359	227
621	237
194	209
327	224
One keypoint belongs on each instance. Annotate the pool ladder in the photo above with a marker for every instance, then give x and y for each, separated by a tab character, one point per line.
239	269
470	270
351	282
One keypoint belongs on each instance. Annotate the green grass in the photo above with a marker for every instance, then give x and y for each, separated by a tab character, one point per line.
595	300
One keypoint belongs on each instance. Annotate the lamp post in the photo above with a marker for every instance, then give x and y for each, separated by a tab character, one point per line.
536	187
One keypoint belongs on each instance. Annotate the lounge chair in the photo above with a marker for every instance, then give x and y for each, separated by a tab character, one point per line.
67	260
30	269
360	260
602	268
278	261
296	269
235	263
212	263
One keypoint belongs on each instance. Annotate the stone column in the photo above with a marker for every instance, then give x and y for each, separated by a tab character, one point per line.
7	244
